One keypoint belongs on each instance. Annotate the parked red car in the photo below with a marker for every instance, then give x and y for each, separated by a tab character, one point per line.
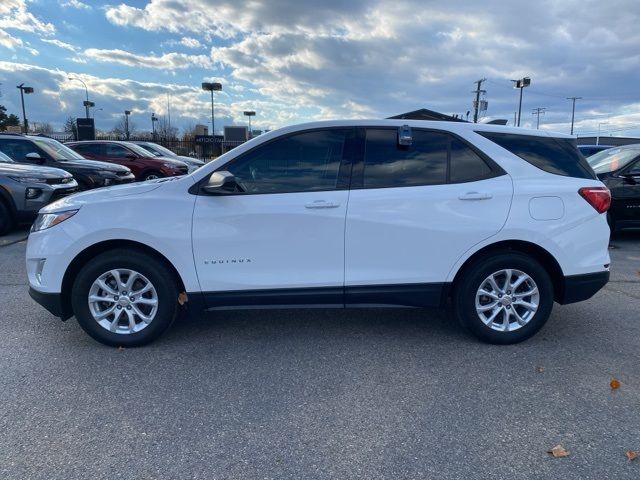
143	164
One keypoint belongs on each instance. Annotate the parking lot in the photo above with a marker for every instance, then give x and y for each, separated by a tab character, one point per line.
323	393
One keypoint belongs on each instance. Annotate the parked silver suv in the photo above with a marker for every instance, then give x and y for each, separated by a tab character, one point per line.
25	189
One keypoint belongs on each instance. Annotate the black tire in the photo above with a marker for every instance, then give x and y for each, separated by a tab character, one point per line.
464	296
6	219
151	176
162	278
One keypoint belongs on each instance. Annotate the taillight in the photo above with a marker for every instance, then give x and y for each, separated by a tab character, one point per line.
598	197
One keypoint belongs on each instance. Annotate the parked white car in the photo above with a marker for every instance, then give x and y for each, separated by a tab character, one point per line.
501	222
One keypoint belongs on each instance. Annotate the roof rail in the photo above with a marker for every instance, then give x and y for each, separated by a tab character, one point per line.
15	134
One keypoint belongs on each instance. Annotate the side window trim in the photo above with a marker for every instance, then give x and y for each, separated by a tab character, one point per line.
357	182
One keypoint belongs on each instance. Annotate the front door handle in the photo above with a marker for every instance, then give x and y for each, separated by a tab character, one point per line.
475	196
322	204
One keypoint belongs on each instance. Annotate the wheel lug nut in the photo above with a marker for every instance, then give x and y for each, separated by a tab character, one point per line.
124	293
119	307
128	307
132	299
115	297
499	295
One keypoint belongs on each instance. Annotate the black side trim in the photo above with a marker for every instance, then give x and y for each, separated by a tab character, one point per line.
404	295
52	302
275	298
577	288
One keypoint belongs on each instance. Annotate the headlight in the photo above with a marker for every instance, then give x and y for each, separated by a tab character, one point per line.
47	220
29	179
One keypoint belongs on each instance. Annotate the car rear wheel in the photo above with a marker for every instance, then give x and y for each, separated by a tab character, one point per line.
125	298
151	176
6	219
504	298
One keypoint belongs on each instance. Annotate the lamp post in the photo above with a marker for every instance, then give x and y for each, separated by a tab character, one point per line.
126	123
154	119
521	84
212	87
24	90
87	104
250	113
598	137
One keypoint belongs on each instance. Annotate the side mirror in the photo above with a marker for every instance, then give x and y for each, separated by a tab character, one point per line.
630	178
34	157
221	183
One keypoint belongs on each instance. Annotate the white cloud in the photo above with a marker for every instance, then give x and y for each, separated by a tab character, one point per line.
15	15
61	44
167	61
190	42
75	4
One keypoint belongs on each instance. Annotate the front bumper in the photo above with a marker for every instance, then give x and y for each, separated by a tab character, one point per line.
577	288
52	302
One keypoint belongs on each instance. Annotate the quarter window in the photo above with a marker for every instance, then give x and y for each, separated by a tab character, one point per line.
302	162
466	165
387	164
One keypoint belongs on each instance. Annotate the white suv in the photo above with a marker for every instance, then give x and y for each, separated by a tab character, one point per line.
498	221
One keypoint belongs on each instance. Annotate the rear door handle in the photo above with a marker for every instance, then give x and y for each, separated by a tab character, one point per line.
322	204
475	196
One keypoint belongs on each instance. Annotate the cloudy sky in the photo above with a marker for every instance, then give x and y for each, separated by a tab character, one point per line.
298	60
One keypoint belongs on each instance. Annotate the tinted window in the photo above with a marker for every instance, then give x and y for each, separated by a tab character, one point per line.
389	165
635	170
56	150
554	155
115	151
466	165
298	163
88	148
18	149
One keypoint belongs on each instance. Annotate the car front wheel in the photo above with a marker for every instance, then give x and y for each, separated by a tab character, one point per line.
125	298
504	298
151	176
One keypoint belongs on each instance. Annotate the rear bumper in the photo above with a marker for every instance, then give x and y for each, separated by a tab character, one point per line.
52	302
577	288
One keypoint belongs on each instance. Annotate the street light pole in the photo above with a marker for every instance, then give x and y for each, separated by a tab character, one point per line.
126	123
521	84
250	113
154	119
573	110
212	87
598	137
24	90
86	103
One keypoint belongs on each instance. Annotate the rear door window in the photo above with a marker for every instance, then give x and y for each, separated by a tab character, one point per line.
386	164
559	156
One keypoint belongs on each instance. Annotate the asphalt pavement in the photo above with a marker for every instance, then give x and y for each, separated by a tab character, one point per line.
323	393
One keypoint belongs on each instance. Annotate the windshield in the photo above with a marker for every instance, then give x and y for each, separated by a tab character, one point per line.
137	148
56	150
612	159
5	159
160	150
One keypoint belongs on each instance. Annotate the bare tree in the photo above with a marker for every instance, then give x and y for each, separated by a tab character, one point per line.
120	127
164	131
188	131
44	127
71	127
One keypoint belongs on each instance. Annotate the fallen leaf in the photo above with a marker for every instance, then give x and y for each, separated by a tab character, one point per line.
558	451
631	454
120	349
614	384
540	369
182	298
